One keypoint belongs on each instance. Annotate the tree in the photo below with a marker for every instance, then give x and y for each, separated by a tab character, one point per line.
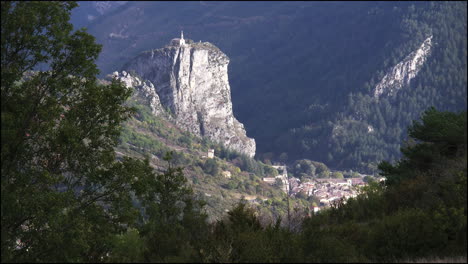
270	171
418	212
211	167
128	247
429	182
304	167
324	174
445	129
368	179
337	175
320	167
231	240
279	183
440	136
174	225
63	194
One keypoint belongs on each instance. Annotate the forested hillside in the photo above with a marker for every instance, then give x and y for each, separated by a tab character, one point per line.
220	181
299	70
441	82
87	174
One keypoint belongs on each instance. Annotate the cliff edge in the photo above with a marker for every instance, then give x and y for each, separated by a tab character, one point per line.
191	81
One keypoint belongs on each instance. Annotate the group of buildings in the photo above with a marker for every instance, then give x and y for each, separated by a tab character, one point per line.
325	190
282	176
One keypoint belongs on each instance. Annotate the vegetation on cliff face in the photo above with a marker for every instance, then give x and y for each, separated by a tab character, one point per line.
151	136
193	82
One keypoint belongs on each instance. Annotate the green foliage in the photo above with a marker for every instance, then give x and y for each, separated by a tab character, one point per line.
64	196
173	220
444	128
305	167
240	237
419	212
442	136
270	171
211	167
407	233
185	140
156	136
357	130
127	247
324	174
320	167
368	179
278	183
337	175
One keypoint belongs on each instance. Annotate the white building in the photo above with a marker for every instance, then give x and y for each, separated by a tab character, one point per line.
270	180
179	41
182	40
211	153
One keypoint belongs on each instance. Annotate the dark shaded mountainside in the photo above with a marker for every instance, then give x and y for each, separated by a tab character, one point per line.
304	75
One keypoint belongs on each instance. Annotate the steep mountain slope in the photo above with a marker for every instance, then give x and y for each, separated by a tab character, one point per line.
402	73
431	72
221	181
301	70
192	82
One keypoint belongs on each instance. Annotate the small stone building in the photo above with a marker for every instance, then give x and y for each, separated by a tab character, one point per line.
211	153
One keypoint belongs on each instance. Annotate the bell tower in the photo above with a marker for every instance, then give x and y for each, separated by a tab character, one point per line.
182	40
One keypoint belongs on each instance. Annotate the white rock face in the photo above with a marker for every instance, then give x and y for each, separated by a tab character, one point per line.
144	88
402	73
192	82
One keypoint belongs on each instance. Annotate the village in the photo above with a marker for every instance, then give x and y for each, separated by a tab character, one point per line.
325	190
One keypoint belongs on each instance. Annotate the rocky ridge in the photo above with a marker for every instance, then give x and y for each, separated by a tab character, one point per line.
145	89
402	73
191	81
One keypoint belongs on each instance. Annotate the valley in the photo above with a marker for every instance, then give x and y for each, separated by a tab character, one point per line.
233	132
297	75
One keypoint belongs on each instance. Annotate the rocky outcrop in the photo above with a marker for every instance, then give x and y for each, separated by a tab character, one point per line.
402	73
145	90
191	81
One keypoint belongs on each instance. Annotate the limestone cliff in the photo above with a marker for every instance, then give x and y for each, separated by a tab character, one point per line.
191	81
145	90
402	73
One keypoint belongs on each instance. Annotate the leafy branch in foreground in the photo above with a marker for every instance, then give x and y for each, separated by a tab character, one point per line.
63	194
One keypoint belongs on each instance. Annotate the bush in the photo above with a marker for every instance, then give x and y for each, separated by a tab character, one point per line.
337	175
407	234
324	174
211	167
185	140
304	167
